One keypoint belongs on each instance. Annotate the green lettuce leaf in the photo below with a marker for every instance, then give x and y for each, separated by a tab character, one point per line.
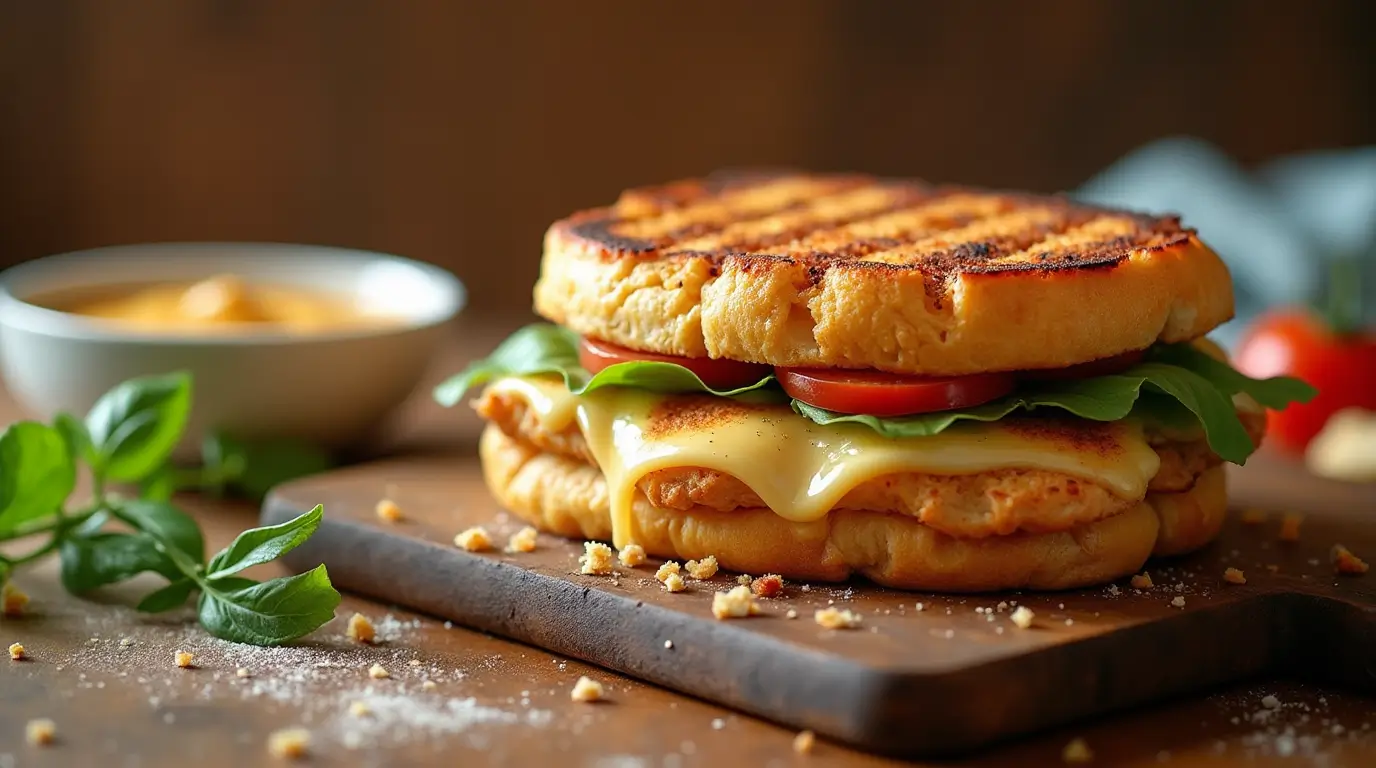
1177	386
545	348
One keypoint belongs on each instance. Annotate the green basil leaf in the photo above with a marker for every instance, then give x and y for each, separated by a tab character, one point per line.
545	348
1276	392
262	545
268	613
159	486
168	598
37	473
135	426
74	432
252	468
94	561
169	526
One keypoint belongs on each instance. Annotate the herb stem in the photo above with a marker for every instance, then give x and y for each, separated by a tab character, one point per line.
54	522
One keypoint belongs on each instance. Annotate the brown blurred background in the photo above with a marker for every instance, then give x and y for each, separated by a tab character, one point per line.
456	131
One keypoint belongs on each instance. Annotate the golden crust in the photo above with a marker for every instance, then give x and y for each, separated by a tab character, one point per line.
986	504
569	498
856	272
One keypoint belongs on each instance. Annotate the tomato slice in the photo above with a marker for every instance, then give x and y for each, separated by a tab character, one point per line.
886	394
1103	367
595	355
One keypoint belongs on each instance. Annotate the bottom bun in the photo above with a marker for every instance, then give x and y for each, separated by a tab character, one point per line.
567	497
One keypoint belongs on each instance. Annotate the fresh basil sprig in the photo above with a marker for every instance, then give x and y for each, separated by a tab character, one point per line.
128	437
1174	379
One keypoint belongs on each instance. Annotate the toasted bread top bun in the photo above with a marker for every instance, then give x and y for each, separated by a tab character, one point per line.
860	272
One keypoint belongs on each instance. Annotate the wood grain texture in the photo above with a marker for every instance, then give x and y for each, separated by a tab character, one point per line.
935	682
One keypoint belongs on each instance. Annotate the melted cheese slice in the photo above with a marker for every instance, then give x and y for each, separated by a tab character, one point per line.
801	469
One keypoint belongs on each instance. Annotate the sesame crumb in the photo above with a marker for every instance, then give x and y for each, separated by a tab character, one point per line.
359	709
389	511
586	689
1234	576
1113	590
40	732
17	652
1253	516
289	743
474	539
832	618
1070	622
360	629
631	555
1346	563
744	579
183	659
803	742
522	540
792	614
125	642
596	559
702	569
378	672
669	567
1077	751
13	600
1270	702
735	604
243	672
428	685
1022	617
1178	601
920	607
674	583
1141	581
413	663
768	585
669	644
1290	526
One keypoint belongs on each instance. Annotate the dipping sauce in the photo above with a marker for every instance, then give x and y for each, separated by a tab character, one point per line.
225	303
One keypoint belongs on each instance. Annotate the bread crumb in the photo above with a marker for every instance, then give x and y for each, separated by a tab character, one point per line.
474	539
669	567
389	511
586	689
792	614
596	559
1022	617
1077	751
1178	602
1253	516
125	642
1234	576
674	583
744	579
631	555
702	569
1270	702
1141	581
768	585
17	652
1290	526
13	601
243	672
1345	562
183	659
735	604
522	540
428	685
832	618
360	629
802	743
378	672
359	709
289	743
40	732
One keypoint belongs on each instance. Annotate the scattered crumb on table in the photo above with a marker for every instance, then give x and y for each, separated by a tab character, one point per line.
596	559
1234	576
735	604
631	555
1022	617
702	569
522	540
1346	563
586	689
360	629
183	659
674	583
1077	751
17	652
40	732
1141	581
1290	526
475	539
289	743
802	743
669	567
831	618
378	672
13	600
389	511
768	585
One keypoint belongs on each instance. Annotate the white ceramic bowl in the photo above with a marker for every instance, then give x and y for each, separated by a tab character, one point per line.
328	388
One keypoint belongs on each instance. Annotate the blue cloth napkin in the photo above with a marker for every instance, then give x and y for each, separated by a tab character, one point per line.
1278	228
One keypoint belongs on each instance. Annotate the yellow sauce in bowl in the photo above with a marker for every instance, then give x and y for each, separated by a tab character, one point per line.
226	303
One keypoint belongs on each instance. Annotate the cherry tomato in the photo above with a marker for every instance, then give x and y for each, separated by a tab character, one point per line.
1296	343
718	374
1103	367
885	394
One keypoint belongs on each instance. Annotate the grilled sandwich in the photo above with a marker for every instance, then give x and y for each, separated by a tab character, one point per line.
938	388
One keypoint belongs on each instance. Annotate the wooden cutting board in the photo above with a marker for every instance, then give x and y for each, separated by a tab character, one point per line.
926	674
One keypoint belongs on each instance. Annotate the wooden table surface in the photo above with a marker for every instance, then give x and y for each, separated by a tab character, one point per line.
106	676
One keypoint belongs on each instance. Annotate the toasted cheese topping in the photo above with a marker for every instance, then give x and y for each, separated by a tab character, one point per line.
801	469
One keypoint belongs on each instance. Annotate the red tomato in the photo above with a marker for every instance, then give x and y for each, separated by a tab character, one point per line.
718	374
887	394
1296	343
1103	367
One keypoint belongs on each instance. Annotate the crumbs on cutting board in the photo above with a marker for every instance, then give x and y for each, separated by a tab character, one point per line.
1291	720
